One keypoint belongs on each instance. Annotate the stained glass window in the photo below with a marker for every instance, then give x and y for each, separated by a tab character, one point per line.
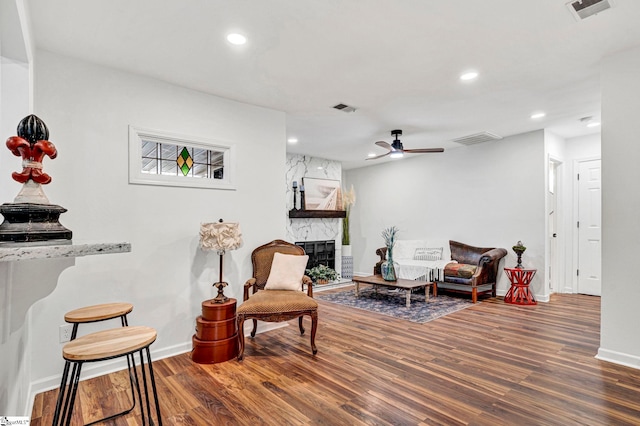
180	160
177	161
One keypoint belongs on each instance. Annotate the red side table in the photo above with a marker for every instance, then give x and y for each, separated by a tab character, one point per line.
520	292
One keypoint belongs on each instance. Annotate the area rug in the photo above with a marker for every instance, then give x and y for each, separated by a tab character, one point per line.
393	303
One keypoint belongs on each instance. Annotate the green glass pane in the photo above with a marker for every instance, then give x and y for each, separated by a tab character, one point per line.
184	153
184	169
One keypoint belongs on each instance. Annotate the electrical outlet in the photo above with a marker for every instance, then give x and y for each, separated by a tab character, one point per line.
65	332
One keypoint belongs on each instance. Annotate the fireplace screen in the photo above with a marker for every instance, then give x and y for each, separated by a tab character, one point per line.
320	253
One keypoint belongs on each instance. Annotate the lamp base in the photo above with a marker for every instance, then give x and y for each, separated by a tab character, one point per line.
220	298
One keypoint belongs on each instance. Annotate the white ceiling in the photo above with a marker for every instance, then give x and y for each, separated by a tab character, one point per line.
396	61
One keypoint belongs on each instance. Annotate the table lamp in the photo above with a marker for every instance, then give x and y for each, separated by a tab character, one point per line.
220	236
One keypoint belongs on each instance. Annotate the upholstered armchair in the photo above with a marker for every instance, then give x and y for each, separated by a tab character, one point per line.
275	292
474	271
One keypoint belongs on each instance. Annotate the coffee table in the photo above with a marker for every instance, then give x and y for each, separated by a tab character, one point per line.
407	285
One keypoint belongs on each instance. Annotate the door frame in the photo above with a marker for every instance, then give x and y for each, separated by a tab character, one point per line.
573	288
554	277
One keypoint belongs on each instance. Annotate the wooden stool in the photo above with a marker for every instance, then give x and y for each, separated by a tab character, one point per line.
101	346
96	313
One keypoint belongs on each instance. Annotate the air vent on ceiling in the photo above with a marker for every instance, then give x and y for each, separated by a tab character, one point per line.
581	9
477	138
344	108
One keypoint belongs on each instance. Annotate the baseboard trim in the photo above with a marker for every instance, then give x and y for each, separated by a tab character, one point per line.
620	358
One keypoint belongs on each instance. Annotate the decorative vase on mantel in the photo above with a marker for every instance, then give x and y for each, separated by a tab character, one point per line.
389	268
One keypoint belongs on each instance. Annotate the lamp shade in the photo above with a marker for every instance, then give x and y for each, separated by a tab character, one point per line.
221	236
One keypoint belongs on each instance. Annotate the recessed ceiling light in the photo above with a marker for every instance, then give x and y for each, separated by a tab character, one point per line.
470	75
236	38
537	115
590	122
319	167
292	140
371	154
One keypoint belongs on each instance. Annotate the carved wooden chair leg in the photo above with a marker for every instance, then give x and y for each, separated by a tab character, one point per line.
255	328
474	295
300	324
314	326
240	322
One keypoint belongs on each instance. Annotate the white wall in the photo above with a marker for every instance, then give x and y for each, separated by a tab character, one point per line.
620	206
489	195
166	276
15	99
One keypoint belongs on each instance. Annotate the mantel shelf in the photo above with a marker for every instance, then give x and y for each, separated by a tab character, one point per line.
320	214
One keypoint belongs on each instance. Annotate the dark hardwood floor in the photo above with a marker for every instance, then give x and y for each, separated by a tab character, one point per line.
490	364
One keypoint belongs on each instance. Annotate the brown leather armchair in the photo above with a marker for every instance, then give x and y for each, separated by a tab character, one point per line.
475	272
275	305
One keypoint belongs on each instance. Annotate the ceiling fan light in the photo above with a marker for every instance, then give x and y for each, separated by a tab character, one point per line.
396	154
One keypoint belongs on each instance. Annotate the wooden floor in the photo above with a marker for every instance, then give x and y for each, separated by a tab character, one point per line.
490	364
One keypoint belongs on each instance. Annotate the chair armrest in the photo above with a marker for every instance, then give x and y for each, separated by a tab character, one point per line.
492	256
488	266
251	282
309	283
382	252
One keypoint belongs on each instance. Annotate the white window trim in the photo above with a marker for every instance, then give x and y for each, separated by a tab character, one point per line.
137	134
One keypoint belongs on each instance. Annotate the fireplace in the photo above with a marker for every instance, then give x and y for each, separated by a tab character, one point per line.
320	253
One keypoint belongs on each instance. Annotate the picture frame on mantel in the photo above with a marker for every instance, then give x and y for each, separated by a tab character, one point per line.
322	194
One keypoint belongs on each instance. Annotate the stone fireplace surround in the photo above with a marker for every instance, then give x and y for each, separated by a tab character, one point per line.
312	229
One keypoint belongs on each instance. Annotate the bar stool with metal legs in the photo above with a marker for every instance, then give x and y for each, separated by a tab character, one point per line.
102	346
96	313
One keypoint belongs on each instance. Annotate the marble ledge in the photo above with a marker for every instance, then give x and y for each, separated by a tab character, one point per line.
11	252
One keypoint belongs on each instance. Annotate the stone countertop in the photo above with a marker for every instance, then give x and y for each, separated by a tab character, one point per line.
10	252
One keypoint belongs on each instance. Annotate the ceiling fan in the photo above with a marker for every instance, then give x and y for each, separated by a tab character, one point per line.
396	150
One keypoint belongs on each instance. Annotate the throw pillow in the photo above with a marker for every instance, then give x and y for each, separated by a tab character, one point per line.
287	271
428	254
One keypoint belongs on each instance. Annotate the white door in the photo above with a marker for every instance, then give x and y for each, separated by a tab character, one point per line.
589	228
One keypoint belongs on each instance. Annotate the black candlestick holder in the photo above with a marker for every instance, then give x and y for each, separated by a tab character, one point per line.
295	196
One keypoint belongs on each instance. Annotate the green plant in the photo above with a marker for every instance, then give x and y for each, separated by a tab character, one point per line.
389	236
321	272
519	247
348	200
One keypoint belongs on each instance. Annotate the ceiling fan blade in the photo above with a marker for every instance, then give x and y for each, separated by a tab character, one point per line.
424	150
384	145
378	156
